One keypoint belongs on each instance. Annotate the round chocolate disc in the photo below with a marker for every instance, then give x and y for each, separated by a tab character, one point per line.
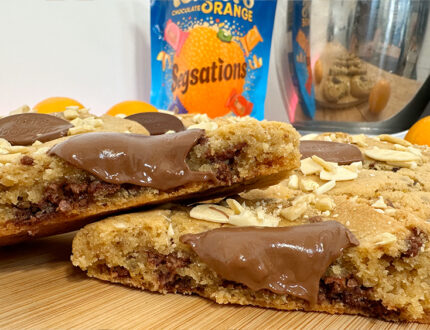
158	123
24	129
341	153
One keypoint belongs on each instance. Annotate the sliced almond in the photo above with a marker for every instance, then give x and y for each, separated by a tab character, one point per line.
359	140
309	137
410	165
384	239
308	185
325	203
21	109
387	155
306	198
394	140
325	187
16	149
207	126
308	166
235	206
293	182
294	212
355	166
254	218
380	203
328	166
10	158
4	144
70	114
342	174
415	151
211	212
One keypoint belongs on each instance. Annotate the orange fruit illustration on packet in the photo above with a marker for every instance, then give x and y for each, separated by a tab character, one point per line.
208	71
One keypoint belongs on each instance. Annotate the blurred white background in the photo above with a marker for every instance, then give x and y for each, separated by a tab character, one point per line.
97	52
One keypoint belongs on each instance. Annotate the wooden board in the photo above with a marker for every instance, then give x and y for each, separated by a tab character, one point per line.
39	288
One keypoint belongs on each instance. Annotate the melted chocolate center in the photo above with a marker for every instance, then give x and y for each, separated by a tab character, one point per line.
148	161
24	129
341	153
158	123
284	260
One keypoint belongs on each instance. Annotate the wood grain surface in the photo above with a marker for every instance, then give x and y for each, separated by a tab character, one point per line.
39	288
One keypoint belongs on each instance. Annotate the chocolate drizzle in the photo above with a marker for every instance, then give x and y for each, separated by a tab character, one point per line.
341	153
148	161
284	260
24	129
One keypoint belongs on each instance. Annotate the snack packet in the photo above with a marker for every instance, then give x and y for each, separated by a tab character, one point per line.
211	56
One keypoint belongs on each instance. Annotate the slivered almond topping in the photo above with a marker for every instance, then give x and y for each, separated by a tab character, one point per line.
308	185
307	199
325	203
325	165
400	147
387	155
70	114
21	109
211	212
341	174
207	126
10	158
235	206
380	203
359	140
415	151
170	230
218	210
4	144
384	239
325	187
410	165
309	137
294	212
293	182
308	166
393	139
235	214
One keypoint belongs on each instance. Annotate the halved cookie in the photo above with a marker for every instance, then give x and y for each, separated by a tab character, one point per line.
247	252
60	185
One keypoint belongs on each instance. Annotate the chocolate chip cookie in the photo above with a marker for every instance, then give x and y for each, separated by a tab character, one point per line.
106	165
313	252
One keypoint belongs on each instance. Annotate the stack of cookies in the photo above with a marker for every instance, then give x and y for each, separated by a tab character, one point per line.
231	209
347	80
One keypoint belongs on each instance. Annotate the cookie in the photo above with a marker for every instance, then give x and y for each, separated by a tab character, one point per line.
360	86
393	177
106	165
335	88
313	252
357	69
338	70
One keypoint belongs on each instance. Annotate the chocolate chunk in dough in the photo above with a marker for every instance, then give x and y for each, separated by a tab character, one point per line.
158	123
341	153
24	129
284	260
148	161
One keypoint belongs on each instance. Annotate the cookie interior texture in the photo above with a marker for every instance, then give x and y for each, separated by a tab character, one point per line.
387	276
42	194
